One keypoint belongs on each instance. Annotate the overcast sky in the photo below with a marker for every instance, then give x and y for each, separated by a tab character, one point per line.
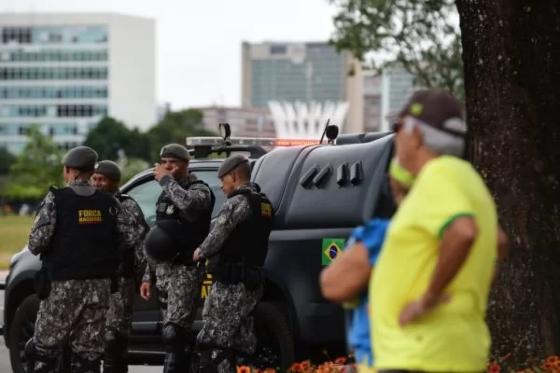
211	30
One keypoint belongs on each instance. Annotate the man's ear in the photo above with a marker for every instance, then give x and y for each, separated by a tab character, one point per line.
418	137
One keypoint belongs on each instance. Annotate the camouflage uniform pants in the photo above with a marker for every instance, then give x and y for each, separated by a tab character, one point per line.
74	313
228	323
178	289
119	317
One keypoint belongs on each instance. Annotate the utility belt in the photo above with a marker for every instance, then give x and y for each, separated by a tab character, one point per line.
234	273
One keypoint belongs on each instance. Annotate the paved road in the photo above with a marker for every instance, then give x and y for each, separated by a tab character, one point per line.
5	366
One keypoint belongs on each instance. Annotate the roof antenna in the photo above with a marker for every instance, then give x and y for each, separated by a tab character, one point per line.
325	130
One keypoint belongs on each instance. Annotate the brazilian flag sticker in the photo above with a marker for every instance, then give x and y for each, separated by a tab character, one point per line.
331	248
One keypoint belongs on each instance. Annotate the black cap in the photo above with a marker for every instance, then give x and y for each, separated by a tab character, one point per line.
175	151
438	109
81	157
109	169
231	164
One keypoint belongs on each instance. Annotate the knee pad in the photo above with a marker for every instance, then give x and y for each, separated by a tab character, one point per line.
173	335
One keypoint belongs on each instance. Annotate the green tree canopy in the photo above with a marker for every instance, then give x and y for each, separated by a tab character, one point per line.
111	136
36	168
6	160
422	36
175	127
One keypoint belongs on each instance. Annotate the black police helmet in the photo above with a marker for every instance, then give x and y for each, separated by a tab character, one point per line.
167	239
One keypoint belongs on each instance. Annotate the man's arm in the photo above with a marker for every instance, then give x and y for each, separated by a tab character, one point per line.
127	230
234	211
455	246
348	275
137	216
196	198
43	227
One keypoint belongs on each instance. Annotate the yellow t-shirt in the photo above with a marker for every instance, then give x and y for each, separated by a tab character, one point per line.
453	337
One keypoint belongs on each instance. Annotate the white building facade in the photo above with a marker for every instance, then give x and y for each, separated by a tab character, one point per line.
64	72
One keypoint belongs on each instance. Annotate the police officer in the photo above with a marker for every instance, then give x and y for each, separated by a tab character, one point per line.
183	213
107	177
77	232
236	249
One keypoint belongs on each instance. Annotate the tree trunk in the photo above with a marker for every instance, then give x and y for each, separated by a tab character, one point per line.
511	54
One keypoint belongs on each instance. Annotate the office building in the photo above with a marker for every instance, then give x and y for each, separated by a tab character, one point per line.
298	77
65	71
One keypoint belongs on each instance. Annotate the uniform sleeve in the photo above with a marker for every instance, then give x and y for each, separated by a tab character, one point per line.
137	217
196	198
148	273
129	234
443	201
234	211
43	226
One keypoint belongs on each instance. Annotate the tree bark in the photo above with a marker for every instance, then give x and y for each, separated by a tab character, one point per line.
511	55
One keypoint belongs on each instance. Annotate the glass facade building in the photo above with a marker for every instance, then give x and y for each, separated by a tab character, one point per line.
284	74
54	77
296	72
64	72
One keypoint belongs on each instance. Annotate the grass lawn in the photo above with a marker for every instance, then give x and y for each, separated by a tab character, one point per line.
14	231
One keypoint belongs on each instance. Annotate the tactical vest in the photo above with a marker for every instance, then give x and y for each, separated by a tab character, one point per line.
248	243
192	233
126	267
85	238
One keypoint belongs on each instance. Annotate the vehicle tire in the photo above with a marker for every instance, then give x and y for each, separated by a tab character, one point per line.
275	340
22	328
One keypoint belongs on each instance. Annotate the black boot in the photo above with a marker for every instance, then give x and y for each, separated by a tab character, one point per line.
175	342
114	359
216	361
83	365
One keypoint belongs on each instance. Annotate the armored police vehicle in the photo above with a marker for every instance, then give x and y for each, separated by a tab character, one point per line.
319	192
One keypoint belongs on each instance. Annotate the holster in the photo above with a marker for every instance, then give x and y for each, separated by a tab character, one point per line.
42	282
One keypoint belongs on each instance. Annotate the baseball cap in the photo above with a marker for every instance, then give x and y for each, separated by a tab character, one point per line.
438	109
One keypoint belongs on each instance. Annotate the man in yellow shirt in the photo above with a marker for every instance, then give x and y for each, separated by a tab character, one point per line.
430	288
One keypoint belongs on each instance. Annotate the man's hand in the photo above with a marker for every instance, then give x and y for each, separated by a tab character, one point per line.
146	290
197	255
414	310
160	171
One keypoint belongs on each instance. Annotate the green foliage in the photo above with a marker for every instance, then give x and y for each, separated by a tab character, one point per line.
36	168
422	36
132	166
6	160
111	136
176	127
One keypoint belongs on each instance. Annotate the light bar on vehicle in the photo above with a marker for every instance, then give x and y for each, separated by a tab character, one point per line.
248	141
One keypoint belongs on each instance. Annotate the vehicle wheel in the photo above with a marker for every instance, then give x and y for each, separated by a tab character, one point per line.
275	348
21	330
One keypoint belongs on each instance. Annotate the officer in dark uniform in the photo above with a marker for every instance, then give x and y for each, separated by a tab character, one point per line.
236	249
183	214
107	177
78	231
